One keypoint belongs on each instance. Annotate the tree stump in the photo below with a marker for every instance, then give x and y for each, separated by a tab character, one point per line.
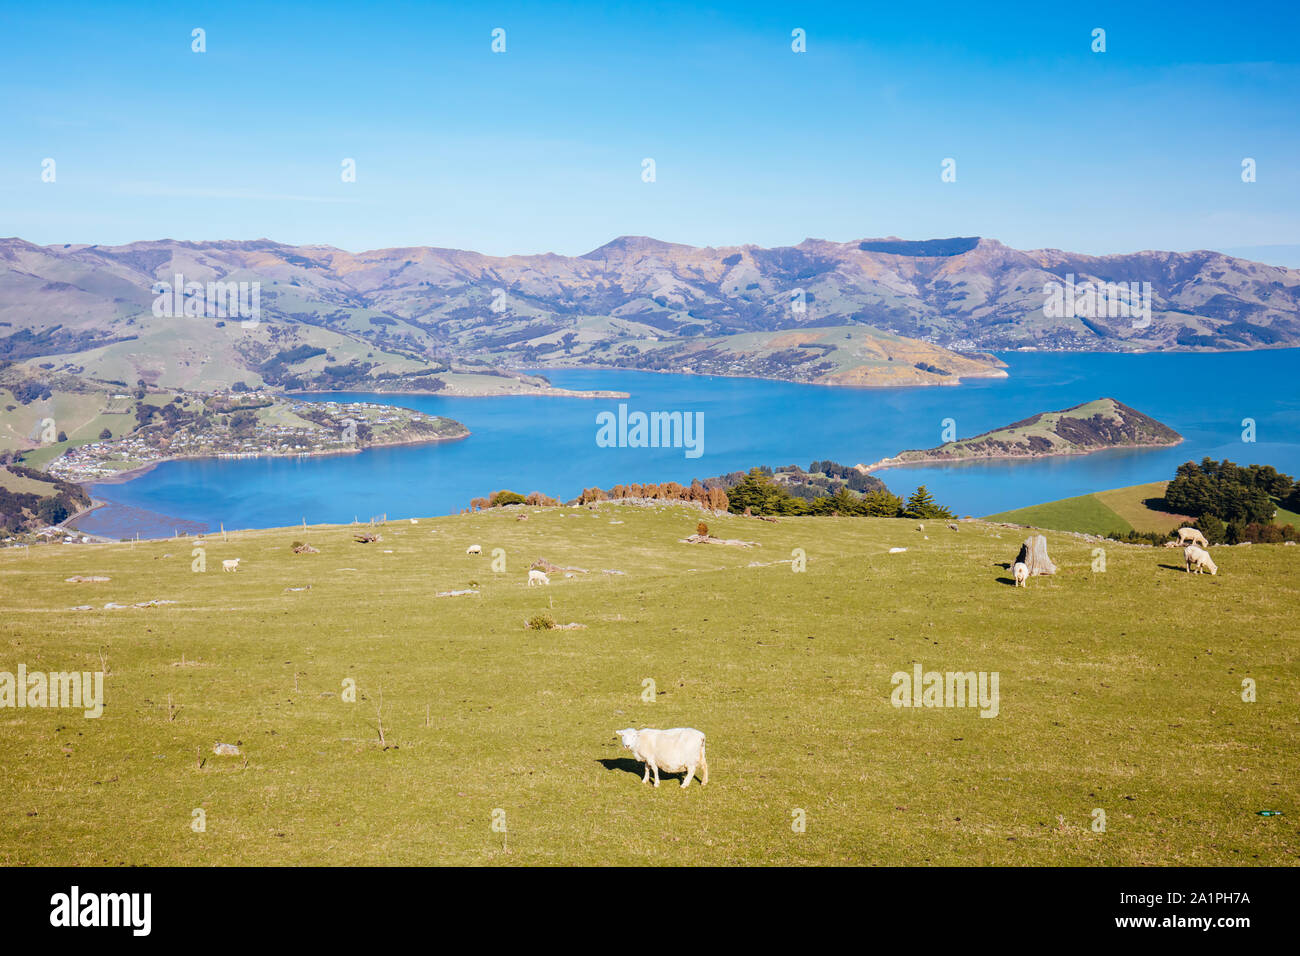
1033	553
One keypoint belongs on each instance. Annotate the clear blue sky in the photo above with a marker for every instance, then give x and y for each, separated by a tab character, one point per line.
540	148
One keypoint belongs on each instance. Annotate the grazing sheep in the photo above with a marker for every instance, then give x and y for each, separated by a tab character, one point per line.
1200	558
672	751
230	564
1188	536
474	549
1021	573
537	577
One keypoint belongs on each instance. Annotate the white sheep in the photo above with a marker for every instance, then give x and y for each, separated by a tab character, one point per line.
230	564
1188	536
537	577
1021	573
678	750
1200	558
474	549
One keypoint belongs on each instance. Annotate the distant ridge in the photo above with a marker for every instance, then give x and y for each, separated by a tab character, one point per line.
933	306
925	248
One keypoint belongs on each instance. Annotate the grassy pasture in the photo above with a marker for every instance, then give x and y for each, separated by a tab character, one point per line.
1086	514
1120	509
1119	691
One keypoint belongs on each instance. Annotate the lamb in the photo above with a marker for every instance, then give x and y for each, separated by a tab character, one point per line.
1021	573
1188	536
678	750
474	549
230	564
1200	558
537	577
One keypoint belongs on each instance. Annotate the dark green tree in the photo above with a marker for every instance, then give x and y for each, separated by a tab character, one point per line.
762	495
1210	526
923	505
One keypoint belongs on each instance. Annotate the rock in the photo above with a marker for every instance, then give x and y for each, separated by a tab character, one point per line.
226	750
88	579
897	550
708	539
1033	553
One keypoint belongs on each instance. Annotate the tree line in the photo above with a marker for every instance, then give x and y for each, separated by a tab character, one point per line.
760	493
1232	503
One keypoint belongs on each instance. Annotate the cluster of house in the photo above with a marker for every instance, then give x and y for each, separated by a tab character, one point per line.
105	459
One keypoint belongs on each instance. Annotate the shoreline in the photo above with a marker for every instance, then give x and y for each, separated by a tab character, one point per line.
448	392
957	379
885	463
130	474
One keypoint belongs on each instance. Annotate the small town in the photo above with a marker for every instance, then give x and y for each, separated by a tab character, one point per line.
260	424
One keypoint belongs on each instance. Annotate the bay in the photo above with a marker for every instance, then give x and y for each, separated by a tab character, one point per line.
549	444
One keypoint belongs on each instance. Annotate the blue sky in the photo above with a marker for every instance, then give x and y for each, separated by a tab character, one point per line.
540	148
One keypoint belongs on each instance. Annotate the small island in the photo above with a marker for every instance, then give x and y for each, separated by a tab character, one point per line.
1091	427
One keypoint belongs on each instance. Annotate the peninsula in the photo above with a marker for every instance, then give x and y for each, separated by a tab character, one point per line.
1091	427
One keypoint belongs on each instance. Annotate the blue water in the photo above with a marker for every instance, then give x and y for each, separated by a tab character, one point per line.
549	444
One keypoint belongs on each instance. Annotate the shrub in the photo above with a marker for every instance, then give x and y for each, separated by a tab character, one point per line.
106	434
541	622
702	530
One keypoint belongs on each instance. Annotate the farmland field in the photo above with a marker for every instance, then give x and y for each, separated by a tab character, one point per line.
1120	691
1116	511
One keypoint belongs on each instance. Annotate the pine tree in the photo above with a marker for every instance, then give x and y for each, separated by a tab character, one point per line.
923	505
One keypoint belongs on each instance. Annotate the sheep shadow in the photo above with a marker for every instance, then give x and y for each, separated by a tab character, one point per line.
1009	581
636	767
623	763
1180	568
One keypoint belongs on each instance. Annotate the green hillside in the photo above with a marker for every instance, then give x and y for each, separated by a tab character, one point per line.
1135	713
1119	510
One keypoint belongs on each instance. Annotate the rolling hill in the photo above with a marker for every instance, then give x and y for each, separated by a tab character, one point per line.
632	303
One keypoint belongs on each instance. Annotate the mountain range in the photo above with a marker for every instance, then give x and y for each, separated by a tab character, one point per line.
867	312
